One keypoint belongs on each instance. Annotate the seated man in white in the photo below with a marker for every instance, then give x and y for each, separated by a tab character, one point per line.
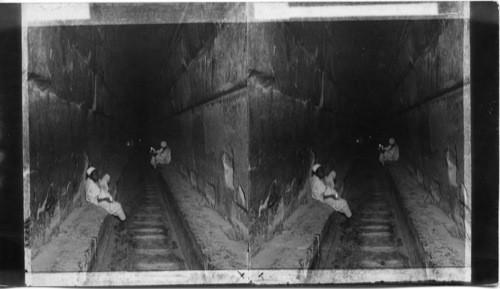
323	190
96	192
389	153
161	156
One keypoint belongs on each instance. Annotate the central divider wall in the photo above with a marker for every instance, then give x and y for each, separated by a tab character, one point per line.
428	108
204	119
212	151
293	121
248	106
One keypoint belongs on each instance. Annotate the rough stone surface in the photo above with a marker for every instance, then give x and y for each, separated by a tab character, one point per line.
246	108
209	139
431	133
254	146
73	248
436	230
75	120
298	242
213	233
292	97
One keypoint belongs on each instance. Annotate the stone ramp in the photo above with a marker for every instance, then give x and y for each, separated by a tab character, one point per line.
146	241
372	239
156	246
74	247
431	225
304	234
202	227
295	247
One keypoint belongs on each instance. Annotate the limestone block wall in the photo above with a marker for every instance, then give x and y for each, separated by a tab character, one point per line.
73	122
428	105
250	106
294	120
205	117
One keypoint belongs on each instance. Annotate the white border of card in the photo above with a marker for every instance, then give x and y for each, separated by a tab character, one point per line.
263	11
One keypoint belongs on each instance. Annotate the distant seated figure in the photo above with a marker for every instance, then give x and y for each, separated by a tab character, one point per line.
323	190
96	192
161	156
389	153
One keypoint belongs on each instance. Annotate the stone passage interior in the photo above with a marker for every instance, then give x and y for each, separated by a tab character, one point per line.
246	108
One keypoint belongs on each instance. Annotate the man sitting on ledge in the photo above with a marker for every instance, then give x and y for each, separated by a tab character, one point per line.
323	190
161	156
388	153
96	192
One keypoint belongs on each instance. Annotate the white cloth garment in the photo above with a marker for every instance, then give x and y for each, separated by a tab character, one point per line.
93	192
104	183
391	153
162	157
320	189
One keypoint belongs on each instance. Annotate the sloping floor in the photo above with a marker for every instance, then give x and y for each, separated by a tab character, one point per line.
372	226
431	223
146	240
372	238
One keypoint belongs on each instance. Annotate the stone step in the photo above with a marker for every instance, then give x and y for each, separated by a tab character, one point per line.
150	214
151	243
163	266
150	206
378	249
379	203
146	223
154	251
395	263
375	234
376	210
148	210
149	230
374	227
376	241
155	220
373	211
366	219
377	216
145	214
154	236
147	203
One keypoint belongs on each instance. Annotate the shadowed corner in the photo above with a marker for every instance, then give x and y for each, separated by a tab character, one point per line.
11	232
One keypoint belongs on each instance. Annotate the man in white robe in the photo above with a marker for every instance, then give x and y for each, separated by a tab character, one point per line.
161	156
96	192
323	190
389	153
